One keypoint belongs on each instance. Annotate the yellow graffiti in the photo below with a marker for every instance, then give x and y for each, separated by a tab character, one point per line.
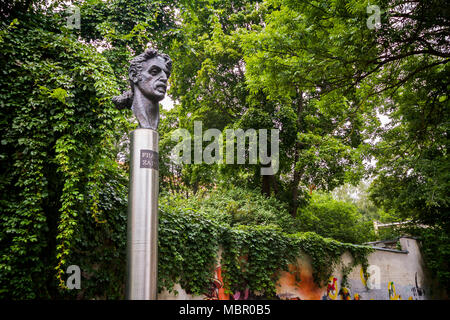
392	294
363	278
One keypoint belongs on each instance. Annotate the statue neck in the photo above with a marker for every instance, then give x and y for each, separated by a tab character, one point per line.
145	110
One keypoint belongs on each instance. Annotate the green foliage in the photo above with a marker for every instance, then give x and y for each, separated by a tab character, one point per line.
413	161
208	84
238	206
358	195
325	254
188	246
435	245
225	77
390	233
124	28
412	154
335	219
253	257
58	178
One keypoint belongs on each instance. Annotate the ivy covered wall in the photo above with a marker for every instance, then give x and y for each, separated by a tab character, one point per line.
390	275
205	252
252	257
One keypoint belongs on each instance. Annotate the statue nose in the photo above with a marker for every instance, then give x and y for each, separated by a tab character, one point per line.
163	77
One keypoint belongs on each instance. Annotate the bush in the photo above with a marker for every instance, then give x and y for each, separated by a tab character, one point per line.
237	206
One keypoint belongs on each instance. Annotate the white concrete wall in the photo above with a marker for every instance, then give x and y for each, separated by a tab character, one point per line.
393	275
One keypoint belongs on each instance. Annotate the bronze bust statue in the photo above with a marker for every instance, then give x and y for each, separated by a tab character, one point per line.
148	75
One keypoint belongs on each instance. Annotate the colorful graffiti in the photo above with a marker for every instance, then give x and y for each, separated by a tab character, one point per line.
363	277
297	283
345	294
332	291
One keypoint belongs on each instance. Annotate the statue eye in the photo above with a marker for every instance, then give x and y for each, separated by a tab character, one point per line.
154	71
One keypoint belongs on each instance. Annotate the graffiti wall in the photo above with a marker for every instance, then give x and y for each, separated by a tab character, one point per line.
392	274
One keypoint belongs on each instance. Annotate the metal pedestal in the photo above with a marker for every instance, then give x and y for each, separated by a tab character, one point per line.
142	244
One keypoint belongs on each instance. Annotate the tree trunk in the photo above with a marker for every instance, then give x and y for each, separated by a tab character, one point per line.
266	185
269	183
297	173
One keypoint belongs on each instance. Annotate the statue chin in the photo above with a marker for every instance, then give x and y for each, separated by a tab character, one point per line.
157	98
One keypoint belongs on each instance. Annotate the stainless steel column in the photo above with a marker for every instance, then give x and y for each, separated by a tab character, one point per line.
142	246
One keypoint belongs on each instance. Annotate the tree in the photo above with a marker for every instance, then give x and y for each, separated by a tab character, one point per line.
208	84
124	28
215	82
298	60
412	153
323	53
413	165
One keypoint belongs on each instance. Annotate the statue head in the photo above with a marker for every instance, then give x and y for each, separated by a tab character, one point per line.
149	73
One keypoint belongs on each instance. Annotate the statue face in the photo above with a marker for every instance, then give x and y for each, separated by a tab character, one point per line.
154	76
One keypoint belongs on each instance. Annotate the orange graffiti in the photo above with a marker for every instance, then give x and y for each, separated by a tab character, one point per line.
298	284
221	292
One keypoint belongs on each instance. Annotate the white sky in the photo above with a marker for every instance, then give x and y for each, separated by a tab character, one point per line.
167	103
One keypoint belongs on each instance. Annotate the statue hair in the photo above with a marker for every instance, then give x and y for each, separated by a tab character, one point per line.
125	100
